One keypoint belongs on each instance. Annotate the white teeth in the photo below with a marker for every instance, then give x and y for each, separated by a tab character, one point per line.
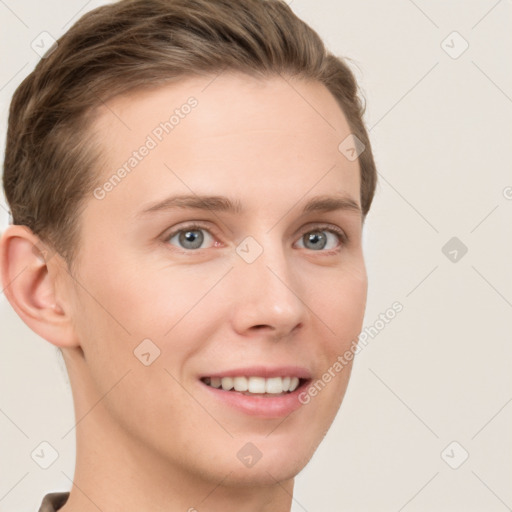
258	385
215	382
240	384
294	383
274	385
227	383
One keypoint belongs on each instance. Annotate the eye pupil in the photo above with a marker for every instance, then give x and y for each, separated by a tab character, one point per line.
191	239
317	238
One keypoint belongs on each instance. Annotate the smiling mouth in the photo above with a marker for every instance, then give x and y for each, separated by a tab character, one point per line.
256	386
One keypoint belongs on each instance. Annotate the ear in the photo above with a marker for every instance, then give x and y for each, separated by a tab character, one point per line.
34	280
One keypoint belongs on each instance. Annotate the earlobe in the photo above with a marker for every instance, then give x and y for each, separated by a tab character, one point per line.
31	285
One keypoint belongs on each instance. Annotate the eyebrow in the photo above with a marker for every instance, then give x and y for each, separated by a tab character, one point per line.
224	204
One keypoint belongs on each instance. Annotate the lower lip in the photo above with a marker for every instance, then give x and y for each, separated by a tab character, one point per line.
265	407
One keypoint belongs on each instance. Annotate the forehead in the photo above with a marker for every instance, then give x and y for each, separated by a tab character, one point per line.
228	132
228	91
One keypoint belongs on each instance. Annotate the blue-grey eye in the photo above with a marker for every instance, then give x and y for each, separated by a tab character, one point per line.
190	238
318	240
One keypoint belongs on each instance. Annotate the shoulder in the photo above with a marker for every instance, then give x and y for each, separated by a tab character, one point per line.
53	501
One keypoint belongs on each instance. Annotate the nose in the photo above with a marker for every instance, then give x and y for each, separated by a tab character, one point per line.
267	296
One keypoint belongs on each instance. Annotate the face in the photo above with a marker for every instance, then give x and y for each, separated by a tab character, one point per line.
228	253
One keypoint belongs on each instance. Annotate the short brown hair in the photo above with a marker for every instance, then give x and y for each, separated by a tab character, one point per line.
50	153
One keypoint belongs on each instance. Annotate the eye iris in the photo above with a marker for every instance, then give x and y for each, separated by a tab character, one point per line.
191	239
317	238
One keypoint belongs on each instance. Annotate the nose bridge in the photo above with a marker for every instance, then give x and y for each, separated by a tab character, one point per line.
268	294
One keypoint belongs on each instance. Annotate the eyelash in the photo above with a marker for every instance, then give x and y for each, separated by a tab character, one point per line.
324	227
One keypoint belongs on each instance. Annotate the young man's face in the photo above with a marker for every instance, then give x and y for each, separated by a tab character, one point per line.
266	291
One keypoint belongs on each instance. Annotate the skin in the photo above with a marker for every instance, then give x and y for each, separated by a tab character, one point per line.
151	437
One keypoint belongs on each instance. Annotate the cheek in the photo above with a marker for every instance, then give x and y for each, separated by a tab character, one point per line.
341	309
340	300
169	312
131	313
141	299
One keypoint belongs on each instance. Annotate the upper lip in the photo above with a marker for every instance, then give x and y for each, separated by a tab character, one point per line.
263	371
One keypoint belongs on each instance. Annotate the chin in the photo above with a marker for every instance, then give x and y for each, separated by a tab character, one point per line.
266	460
265	473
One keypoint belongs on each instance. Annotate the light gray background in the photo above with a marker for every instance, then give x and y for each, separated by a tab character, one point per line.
441	129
